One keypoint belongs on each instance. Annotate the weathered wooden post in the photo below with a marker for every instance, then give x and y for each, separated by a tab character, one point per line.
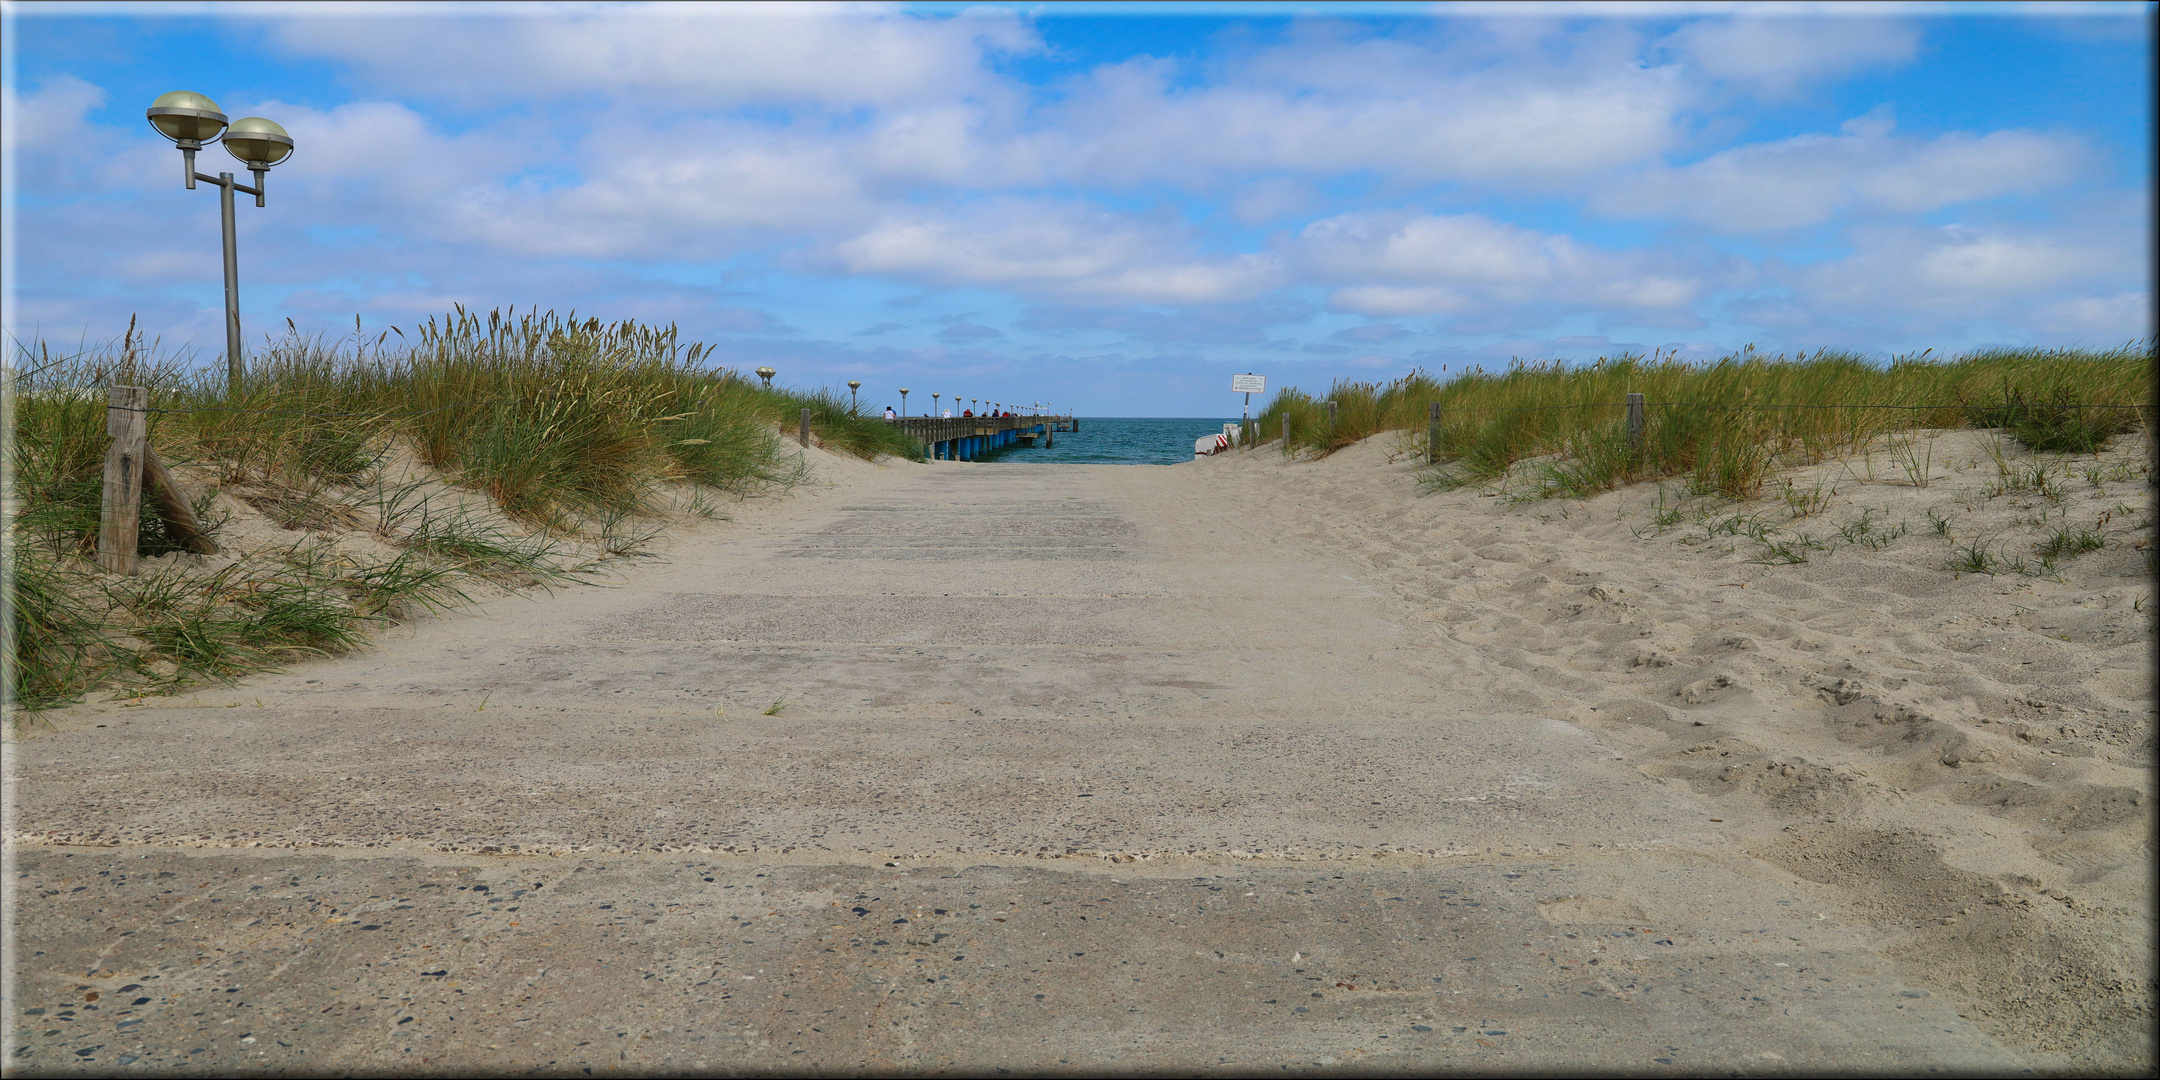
1285	432
1635	428
172	504
802	434
1432	433
1331	419
120	508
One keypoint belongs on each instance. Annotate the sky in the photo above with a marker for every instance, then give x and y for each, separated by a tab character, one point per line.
1109	208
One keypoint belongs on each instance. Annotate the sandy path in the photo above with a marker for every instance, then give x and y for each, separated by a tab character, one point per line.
1055	688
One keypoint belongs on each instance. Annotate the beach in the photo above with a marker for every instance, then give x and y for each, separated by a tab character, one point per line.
1229	764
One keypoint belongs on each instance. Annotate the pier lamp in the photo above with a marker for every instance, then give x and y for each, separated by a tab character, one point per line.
934	396
903	401
190	120
852	386
766	374
975	406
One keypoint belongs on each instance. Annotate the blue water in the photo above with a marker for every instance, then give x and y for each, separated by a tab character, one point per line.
1121	440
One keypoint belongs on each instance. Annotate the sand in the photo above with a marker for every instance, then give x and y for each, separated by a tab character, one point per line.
1858	812
1965	759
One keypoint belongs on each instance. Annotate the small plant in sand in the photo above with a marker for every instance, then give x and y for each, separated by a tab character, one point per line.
2066	542
1974	557
1804	502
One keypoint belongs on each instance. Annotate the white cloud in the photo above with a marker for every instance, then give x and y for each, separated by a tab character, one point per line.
1413	111
52	116
1959	268
1396	263
1810	179
1390	300
2085	280
1053	249
1776	55
715	55
2097	320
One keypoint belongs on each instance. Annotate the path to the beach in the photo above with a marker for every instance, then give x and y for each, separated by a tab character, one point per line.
1072	772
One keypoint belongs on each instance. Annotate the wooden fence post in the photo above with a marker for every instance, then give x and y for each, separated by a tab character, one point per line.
1331	419
1635	427
173	505
1285	432
802	434
1432	433
120	506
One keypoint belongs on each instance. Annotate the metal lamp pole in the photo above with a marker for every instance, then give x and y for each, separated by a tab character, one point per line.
190	120
852	386
903	402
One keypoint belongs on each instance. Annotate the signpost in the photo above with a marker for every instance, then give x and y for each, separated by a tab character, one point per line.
1248	384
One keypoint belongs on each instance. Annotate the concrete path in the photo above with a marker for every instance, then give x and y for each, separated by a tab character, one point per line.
1066	773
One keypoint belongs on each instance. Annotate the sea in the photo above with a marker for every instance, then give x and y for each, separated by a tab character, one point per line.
1121	440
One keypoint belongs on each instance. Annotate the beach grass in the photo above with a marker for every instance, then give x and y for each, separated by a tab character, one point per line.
571	429
1724	425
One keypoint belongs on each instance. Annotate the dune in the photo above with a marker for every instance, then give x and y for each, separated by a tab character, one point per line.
1966	757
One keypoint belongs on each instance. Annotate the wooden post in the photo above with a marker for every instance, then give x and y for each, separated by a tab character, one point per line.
1635	427
802	434
120	508
1432	433
1331	419
1286	433
173	505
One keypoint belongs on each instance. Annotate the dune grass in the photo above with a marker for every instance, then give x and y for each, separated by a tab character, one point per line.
1722	425
569	427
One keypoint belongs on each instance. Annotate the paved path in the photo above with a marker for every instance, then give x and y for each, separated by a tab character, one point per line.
1090	781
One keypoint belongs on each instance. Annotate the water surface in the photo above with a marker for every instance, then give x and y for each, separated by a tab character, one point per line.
1122	440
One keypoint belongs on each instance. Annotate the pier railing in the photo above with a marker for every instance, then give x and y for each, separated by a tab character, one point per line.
964	438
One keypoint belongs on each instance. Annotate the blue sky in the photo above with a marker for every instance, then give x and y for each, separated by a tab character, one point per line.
1108	208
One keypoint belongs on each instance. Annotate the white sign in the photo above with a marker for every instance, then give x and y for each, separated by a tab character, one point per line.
1248	384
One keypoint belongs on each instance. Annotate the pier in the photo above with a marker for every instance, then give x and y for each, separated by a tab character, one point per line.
967	438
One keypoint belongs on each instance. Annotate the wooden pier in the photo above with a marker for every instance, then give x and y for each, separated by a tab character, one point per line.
967	438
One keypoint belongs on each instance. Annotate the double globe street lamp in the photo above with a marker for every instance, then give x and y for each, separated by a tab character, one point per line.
192	120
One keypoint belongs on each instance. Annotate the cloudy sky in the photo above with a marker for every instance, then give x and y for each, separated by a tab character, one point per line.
1112	209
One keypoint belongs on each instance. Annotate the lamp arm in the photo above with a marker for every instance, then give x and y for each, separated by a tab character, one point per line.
256	191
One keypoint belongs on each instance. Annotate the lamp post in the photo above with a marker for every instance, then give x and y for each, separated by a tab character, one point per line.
852	386
191	120
903	402
934	396
766	374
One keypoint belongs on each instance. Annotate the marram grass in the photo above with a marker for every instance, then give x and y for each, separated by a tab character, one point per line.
569	426
1726	424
